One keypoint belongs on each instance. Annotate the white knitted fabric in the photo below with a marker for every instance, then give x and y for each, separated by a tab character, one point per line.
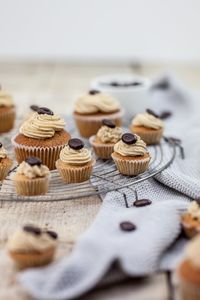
147	249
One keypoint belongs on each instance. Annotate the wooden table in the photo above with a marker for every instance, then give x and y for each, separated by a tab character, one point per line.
56	85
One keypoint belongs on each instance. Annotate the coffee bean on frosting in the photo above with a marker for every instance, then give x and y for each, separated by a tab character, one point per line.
33	161
142	202
34	107
52	234
32	229
165	114
45	111
108	123
129	138
127	226
94	92
151	112
1	145
76	144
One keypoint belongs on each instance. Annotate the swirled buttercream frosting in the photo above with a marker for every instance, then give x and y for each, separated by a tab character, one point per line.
137	149
22	241
3	153
41	126
109	135
147	120
89	104
192	251
75	157
6	99
32	171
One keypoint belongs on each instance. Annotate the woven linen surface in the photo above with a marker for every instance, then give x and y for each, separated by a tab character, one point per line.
151	246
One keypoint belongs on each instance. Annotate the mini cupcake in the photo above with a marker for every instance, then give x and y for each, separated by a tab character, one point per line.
107	136
191	220
75	163
43	136
31	178
92	108
148	126
189	271
131	155
7	112
32	247
5	162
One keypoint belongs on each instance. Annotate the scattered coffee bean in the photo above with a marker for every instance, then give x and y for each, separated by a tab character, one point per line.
45	111
122	84
34	107
32	229
127	226
1	145
129	138
165	114
108	123
142	202
76	144
151	112
94	92
162	85
52	234
33	161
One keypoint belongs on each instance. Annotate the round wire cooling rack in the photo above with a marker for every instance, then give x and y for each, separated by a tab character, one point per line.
105	177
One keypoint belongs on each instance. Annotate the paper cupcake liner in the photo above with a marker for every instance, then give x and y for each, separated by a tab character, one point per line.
4	169
31	187
149	137
188	290
31	259
89	125
48	155
74	174
131	167
103	151
7	120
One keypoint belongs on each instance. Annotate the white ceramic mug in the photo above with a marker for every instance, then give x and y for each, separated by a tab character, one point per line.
134	99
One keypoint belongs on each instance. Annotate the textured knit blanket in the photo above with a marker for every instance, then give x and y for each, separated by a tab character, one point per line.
153	245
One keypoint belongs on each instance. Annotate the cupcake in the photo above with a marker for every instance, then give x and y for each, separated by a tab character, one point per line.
5	162
191	220
148	126
92	108
189	271
7	112
31	178
131	155
107	136
32	247
43	136
75	163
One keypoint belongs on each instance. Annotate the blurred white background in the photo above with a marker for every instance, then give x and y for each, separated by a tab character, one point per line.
149	30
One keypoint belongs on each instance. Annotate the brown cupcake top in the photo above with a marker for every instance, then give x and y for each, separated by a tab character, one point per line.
6	99
42	125
31	239
95	102
148	120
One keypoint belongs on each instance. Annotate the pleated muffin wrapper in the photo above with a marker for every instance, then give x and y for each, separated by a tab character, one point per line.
31	259
5	168
131	167
48	155
7	120
88	125
150	137
31	187
103	151
74	173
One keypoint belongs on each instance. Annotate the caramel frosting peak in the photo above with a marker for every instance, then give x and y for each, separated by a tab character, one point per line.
75	157
137	149
6	99
147	120
99	102
33	171
41	126
109	135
